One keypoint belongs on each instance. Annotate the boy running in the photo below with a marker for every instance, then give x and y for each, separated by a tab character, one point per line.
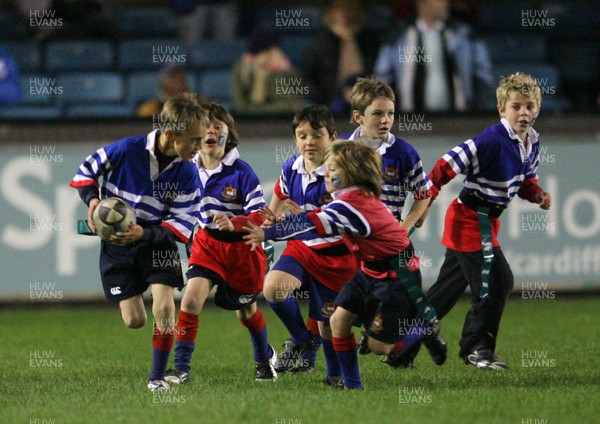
154	174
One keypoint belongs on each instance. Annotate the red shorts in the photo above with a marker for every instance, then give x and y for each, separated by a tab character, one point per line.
240	268
331	271
461	229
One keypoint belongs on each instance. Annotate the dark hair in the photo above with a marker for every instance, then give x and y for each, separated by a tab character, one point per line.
318	116
216	111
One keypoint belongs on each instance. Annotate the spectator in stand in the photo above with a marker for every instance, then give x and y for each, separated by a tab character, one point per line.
10	88
436	63
264	79
173	80
197	17
344	48
69	20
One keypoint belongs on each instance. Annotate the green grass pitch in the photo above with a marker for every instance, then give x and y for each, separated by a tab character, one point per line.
81	365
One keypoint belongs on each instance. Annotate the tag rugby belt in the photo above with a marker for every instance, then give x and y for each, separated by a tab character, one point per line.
474	202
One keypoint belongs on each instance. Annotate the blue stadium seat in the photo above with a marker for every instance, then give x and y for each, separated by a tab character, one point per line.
39	89
295	47
516	47
215	85
27	55
213	54
31	112
98	111
90	87
141	86
144	85
150	54
146	22
79	56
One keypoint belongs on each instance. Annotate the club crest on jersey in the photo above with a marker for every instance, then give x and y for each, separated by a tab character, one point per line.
328	309
229	193
390	173
377	324
326	199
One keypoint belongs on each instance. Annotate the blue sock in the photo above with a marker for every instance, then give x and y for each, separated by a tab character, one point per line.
183	355
161	349
257	327
415	334
160	360
310	356
333	365
288	312
345	350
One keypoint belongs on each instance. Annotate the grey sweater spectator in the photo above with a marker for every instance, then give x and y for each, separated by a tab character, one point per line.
436	64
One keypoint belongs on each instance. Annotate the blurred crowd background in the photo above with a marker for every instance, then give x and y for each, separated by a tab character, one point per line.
63	59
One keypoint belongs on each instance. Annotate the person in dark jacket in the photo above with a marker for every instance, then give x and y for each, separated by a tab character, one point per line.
344	48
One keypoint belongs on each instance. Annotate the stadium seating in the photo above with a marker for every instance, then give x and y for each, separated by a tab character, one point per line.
79	56
90	87
146	22
149	54
144	85
27	55
32	112
112	77
98	111
38	89
295	47
516	47
141	86
215	54
216	85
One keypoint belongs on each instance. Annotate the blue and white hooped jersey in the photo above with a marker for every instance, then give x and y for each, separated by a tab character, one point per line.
306	190
129	170
233	189
296	184
402	171
496	162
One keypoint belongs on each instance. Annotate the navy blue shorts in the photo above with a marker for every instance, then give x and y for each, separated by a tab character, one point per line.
321	299
128	271
382	305
226	297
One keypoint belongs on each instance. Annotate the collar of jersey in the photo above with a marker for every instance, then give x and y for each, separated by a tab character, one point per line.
298	165
151	141
533	134
384	145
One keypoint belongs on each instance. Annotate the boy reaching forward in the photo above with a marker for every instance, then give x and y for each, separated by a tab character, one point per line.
375	294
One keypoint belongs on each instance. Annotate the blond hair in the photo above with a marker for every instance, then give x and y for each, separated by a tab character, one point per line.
360	164
183	112
520	82
365	91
